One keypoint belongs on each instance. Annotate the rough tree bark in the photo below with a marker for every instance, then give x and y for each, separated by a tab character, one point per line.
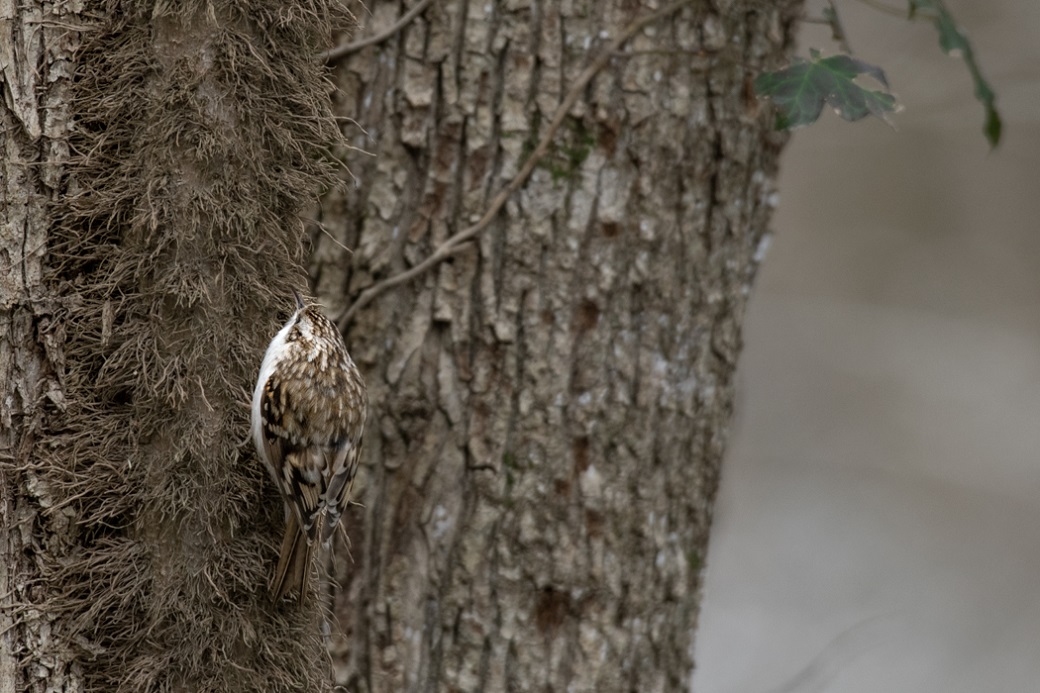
36	45
549	404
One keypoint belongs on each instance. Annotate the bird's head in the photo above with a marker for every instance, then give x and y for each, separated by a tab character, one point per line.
310	321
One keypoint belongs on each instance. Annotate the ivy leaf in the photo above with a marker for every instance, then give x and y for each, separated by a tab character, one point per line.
953	41
800	90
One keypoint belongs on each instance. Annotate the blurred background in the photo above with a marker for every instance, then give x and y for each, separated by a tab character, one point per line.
878	525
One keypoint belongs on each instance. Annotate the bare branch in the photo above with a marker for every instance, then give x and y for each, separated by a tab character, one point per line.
334	54
894	11
838	32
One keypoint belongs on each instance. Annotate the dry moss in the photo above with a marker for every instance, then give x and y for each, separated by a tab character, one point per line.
200	130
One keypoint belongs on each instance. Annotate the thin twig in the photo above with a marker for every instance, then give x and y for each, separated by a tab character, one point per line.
889	9
837	29
453	244
835	655
344	49
321	227
692	52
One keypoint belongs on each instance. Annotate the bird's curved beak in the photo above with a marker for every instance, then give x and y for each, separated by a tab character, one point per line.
299	299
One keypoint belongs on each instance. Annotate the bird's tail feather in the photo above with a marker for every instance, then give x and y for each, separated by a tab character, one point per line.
294	562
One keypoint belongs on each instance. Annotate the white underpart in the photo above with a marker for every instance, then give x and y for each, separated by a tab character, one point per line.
274	354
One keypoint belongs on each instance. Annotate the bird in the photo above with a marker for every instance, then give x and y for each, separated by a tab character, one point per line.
308	419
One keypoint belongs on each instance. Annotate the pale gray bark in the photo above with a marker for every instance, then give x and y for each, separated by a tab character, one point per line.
549	406
36	42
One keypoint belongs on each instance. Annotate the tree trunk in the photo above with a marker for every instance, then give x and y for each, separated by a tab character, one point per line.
35	79
549	403
139	293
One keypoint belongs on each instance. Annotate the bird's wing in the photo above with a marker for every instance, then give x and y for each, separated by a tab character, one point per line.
344	464
296	466
269	435
304	479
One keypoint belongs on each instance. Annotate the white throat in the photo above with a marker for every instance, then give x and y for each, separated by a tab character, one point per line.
275	352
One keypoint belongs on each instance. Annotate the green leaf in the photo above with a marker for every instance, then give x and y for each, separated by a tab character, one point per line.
953	41
800	90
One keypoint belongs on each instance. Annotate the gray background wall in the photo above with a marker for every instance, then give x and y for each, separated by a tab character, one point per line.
878	527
